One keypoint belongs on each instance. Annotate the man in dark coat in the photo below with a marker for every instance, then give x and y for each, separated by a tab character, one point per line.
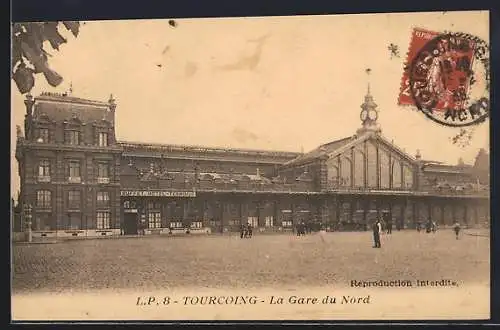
456	228
242	230
376	234
389	224
249	230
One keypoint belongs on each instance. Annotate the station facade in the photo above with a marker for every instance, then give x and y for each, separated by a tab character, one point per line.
78	180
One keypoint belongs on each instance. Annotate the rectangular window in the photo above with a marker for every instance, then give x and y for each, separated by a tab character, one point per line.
196	224
214	223
43	199
72	137
253	221
102	170
43	135
269	221
103	139
44	168
103	220
176	224
234	222
102	198
74	199
286	223
154	206
154	220
74	169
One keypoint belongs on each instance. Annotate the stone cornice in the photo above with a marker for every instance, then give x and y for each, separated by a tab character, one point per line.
66	147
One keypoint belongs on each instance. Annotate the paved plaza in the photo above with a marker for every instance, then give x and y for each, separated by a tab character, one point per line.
226	261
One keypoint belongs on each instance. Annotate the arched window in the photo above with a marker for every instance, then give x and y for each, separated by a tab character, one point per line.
385	168
396	173
408	177
359	168
345	169
371	155
333	173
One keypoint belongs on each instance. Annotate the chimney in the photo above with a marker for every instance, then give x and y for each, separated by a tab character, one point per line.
28	102
112	105
418	156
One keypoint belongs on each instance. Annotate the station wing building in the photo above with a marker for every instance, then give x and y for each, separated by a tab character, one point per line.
78	180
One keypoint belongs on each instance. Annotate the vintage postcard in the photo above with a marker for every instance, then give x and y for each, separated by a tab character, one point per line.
331	167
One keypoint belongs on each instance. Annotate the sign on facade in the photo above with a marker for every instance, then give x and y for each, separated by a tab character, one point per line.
147	193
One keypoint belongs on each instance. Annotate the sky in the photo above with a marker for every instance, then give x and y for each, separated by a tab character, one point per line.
274	83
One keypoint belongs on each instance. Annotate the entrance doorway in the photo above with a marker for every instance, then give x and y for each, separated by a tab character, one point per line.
130	224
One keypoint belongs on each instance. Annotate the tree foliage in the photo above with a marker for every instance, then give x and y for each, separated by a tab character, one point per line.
29	57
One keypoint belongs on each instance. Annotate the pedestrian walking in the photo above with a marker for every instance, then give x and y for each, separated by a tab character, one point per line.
249	230
456	228
377	229
389	226
428	227
242	231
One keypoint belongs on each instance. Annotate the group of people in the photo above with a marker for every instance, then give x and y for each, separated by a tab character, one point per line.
246	231
302	228
430	226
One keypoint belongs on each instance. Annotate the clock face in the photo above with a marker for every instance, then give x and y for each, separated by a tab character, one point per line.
373	115
364	115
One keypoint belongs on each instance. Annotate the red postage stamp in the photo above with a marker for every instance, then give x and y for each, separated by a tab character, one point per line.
447	68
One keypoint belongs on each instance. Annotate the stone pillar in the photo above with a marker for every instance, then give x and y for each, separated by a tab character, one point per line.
163	210
323	175
324	212
186	212
415	211
453	212
429	210
441	206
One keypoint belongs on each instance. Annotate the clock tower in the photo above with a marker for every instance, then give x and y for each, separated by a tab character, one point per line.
369	113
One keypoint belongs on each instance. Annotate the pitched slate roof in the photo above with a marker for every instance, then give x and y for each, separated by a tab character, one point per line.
444	168
328	149
321	151
158	150
58	107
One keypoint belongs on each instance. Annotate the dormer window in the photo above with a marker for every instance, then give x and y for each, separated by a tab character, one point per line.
72	137
43	135
103	139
